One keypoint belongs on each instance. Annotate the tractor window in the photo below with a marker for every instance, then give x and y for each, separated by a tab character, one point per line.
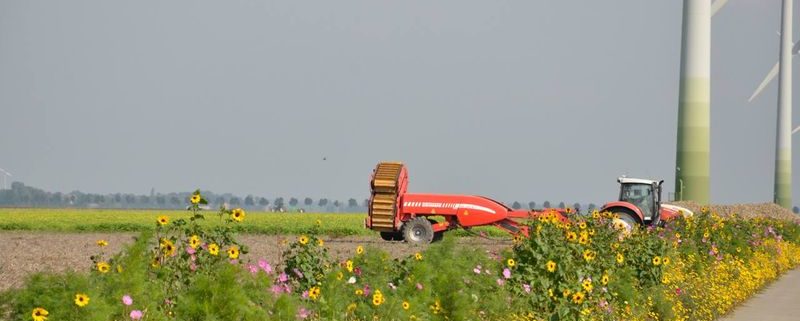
640	195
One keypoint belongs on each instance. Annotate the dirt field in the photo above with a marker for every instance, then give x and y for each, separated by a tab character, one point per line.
23	253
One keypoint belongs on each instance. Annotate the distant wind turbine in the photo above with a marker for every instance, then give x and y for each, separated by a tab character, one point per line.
783	136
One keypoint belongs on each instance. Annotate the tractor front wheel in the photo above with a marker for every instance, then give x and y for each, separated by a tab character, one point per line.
418	231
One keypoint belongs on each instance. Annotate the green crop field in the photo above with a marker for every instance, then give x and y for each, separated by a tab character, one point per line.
116	220
97	220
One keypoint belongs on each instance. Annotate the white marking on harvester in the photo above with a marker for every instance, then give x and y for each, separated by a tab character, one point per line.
449	205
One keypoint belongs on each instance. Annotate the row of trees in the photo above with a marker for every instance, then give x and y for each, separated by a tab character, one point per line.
21	195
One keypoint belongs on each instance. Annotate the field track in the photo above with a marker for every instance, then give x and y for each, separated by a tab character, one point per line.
26	252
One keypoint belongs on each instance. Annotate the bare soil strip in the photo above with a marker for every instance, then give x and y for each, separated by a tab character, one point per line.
23	253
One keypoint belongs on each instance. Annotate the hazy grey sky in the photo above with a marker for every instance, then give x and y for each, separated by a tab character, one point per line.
515	100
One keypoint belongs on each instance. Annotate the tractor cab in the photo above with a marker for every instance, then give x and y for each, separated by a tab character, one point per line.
645	194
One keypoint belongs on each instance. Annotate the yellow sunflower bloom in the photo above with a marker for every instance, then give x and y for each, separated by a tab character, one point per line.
511	263
418	256
102	243
194	241
195	199
303	239
406	305
582	225
39	314
656	260
81	299
233	252
162	220
588	255
213	249
359	292
587	285
314	292
351	307
604	279
566	293
583	240
320	242
665	260
349	266
238	215
620	258
578	297
551	266
360	250
572	237
339	276
103	267
168	247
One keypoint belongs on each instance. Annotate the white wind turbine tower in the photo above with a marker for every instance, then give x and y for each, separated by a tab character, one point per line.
783	137
5	178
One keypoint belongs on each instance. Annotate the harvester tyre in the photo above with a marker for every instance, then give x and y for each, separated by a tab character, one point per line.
418	231
437	236
392	236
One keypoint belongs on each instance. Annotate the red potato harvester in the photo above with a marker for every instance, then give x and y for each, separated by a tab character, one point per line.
399	215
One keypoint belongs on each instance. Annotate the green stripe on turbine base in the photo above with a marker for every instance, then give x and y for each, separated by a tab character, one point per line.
694	142
783	183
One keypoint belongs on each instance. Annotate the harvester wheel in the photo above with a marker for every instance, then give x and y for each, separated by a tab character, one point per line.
418	231
392	236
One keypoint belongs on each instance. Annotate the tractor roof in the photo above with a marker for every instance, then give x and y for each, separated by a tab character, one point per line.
630	180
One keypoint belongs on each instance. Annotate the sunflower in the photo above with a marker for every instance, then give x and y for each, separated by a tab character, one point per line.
588	255
592	232
103	267
233	252
102	243
620	258
418	256
566	292
511	263
168	247
551	266
351	307
406	305
359	292
314	292
213	249
155	262
194	241
578	297
584	239
587	285
377	298
195	199
665	260
162	220
303	239
595	214
340	276
582	225
604	279
349	266
359	249
81	299
39	314
656	260
320	242
572	237
238	215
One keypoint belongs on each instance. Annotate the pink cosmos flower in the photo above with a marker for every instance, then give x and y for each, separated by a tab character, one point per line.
136	315
265	266
190	250
283	277
192	267
527	288
303	313
506	273
419	286
253	268
305	294
500	282
477	269
127	300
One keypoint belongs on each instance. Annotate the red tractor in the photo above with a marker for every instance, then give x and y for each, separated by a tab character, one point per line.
398	215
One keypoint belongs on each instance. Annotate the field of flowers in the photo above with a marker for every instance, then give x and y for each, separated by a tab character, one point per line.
694	269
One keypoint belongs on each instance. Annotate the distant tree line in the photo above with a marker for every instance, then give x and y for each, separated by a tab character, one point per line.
21	195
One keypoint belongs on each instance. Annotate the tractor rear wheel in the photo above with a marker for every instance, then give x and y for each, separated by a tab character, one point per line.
392	236
626	222
418	231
